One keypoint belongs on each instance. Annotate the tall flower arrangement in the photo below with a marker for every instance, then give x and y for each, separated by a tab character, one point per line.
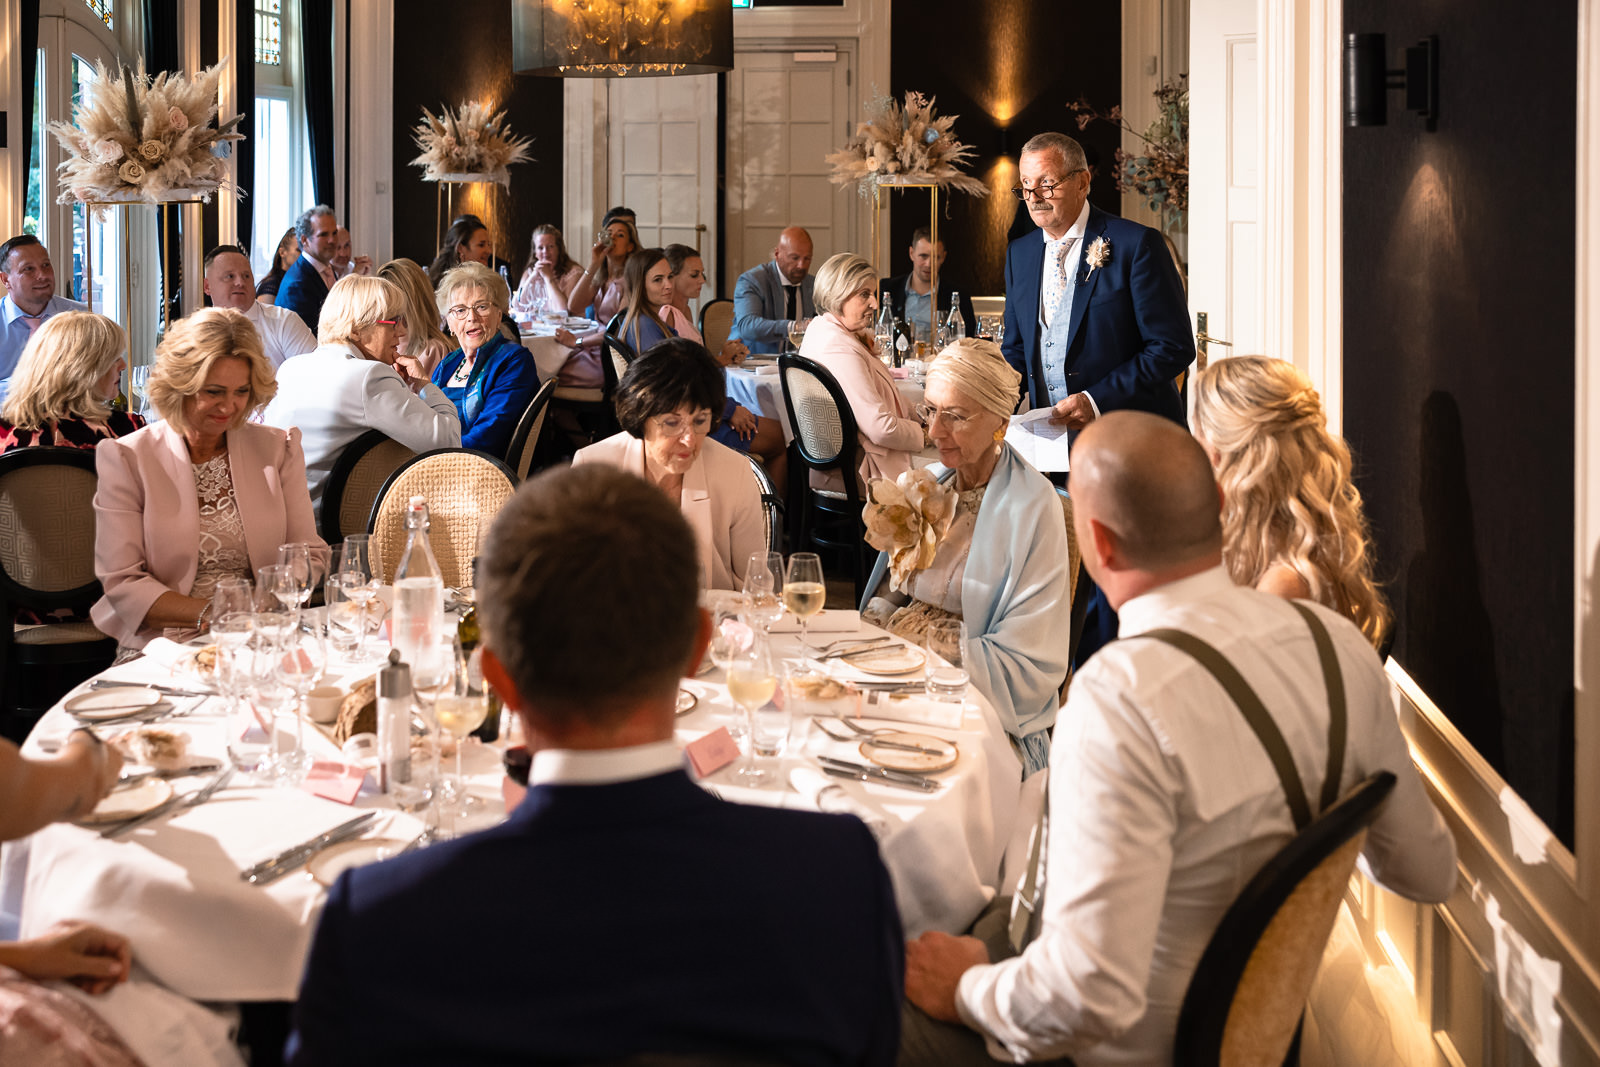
468	140
904	143
135	138
1161	173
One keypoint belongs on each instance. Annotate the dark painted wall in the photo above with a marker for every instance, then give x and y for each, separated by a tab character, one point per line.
429	71
1017	65
1458	363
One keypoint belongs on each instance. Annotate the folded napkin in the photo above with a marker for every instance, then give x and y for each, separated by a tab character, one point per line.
900	373
168	654
826	621
829	796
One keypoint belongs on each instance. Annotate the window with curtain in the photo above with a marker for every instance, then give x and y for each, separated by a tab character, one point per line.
269	32
283	158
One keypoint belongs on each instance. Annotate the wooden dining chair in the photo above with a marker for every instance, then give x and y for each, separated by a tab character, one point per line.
353	484
464	489
826	439
716	323
525	438
1246	998
47	529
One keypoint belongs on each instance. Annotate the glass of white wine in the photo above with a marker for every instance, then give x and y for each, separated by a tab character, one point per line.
752	683
804	592
459	712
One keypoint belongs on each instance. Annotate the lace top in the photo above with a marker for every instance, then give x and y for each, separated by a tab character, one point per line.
940	584
223	553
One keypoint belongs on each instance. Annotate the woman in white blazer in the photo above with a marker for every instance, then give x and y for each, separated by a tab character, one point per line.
351	383
840	339
202	495
668	403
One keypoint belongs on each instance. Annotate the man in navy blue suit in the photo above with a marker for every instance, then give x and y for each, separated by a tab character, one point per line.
307	281
1096	319
620	910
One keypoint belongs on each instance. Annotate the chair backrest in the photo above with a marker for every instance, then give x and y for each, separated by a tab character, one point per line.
47	528
353	484
1074	565
716	323
465	490
1248	993
771	504
618	356
525	438
824	426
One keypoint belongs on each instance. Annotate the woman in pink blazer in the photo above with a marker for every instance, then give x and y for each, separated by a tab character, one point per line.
202	495
840	339
668	403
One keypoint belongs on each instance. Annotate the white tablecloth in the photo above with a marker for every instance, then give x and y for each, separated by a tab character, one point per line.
173	886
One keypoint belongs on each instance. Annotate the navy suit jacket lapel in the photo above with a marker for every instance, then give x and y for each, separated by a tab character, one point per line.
1029	269
1095	228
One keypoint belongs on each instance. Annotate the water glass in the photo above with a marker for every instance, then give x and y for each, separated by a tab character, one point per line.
360	574
345	620
945	672
763	589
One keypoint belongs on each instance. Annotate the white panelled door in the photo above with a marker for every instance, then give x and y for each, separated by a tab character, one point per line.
1224	173
786	112
663	162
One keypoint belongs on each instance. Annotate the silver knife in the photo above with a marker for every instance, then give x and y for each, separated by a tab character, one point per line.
177	803
181	772
859	646
902	746
882	774
290	858
924	786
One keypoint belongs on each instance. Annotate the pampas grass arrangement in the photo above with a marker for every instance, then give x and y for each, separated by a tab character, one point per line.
469	140
904	144
135	138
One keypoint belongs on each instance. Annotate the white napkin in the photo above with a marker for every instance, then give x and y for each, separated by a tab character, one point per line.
827	794
914	709
826	621
167	653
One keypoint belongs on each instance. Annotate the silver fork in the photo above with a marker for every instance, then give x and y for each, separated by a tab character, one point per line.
865	731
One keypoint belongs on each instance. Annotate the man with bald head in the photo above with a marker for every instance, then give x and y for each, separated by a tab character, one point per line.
770	299
1163	802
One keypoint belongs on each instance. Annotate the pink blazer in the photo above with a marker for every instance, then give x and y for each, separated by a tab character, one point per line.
720	500
147	516
889	435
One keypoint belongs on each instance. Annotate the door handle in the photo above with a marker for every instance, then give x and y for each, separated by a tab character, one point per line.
1202	339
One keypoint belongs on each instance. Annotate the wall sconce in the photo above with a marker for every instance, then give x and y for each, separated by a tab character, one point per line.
1367	80
615	38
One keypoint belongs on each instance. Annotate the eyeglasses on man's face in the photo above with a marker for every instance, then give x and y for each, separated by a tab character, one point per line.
461	311
1045	190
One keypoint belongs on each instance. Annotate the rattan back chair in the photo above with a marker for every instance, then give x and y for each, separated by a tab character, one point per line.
826	439
353	484
716	323
530	430
1246	997
464	489
47	531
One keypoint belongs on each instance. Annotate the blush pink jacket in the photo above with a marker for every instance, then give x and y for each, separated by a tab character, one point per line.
888	432
147	516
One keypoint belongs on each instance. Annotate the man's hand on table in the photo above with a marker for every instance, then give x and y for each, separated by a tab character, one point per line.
1076	411
935	963
85	955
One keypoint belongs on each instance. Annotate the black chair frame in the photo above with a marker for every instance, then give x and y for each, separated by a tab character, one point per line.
338	478
700	323
772	505
530	416
841	526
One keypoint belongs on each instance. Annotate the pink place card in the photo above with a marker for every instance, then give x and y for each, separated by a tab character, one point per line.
333	780
712	752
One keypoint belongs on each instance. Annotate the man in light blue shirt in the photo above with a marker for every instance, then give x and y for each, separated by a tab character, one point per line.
30	299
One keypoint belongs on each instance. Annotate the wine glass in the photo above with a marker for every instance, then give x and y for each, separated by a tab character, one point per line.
232	596
752	683
299	664
804	592
360	574
271	695
731	633
763	581
302	570
459	712
275	614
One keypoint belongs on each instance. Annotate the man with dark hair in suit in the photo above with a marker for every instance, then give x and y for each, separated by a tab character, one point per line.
307	281
913	288
633	912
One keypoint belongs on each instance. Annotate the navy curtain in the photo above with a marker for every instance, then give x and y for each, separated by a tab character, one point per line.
161	54
244	152
316	51
29	40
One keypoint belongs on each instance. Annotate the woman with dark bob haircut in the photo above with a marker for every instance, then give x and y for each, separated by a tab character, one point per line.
668	404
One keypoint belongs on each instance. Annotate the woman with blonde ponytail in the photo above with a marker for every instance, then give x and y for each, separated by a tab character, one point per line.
1292	522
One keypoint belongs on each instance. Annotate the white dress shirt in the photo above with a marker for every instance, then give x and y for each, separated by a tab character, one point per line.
1163	805
603	766
14	332
283	333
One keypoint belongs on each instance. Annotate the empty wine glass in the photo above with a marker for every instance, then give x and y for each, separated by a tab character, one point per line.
303	568
275	615
752	683
804	592
763	584
271	696
360	574
232	596
299	664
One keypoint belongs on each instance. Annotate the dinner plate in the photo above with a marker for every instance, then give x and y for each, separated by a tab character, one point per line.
328	864
107	705
687	701
900	759
895	659
136	799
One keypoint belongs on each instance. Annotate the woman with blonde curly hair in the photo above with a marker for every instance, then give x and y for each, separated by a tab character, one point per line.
202	495
64	383
1292	522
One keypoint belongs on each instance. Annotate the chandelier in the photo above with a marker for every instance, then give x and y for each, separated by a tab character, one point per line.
617	38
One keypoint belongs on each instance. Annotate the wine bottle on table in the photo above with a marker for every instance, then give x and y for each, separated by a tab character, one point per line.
470	635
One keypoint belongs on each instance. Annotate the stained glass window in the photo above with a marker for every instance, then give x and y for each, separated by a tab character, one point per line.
102	9
269	32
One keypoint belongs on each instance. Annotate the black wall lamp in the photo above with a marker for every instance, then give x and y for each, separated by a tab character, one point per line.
1367	80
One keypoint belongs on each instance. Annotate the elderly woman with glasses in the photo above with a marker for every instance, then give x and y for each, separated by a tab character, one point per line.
668	403
841	339
491	379
1002	550
202	495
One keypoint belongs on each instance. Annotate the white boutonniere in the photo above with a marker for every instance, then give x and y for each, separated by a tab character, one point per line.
1098	255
